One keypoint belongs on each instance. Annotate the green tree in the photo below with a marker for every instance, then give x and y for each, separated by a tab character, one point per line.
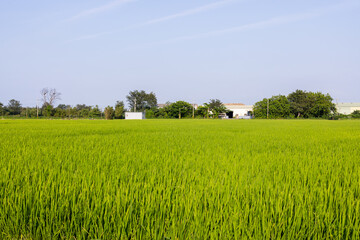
62	110
95	112
119	109
14	107
279	107
159	113
48	110
299	103
355	114
2	109
202	111
308	104
32	112
109	113
149	114
179	109
321	105
140	100
216	107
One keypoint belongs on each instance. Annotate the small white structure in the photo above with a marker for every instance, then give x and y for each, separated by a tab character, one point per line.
347	108
134	115
239	110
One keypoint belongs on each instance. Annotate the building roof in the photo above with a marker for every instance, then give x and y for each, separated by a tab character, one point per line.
348	104
234	104
161	105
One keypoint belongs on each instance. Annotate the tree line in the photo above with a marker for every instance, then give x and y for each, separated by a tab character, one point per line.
298	104
138	100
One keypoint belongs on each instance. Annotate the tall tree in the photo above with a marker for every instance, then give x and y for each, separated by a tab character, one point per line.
119	109
299	103
216	107
2	110
14	107
140	100
321	105
203	111
309	104
49	96
179	109
355	114
279	107
95	112
109	113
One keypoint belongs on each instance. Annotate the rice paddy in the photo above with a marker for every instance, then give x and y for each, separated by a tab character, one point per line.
179	179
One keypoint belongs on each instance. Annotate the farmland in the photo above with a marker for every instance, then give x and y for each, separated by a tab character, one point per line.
179	179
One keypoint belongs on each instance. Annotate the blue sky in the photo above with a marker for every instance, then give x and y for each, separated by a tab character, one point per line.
96	51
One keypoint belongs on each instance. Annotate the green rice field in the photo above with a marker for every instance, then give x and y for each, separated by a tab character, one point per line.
179	179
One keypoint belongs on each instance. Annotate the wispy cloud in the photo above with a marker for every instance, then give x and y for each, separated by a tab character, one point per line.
187	12
99	9
90	36
267	23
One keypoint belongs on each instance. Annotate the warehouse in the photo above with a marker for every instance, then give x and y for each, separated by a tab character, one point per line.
347	108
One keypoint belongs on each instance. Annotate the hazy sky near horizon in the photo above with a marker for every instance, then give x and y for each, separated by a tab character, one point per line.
96	51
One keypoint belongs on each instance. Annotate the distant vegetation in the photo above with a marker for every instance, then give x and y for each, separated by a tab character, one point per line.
298	104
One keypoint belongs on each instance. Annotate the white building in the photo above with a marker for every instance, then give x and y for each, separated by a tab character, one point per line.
347	108
239	110
134	115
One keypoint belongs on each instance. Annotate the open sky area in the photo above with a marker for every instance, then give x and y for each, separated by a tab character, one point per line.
96	51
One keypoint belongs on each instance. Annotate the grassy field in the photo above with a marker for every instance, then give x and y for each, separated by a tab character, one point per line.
187	179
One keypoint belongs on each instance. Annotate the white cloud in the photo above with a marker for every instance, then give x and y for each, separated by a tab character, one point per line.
270	22
188	12
99	9
90	36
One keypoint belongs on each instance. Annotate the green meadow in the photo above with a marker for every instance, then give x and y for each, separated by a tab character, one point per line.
179	179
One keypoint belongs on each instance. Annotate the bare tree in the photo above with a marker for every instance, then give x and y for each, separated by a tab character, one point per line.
49	96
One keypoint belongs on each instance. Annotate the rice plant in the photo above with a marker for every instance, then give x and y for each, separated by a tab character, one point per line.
172	179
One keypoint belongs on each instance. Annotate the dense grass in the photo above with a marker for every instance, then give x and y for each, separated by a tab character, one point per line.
179	179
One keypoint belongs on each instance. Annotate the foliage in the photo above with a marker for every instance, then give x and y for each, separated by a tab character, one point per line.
95	112
216	107
149	114
160	113
203	111
279	107
179	180
297	104
119	110
141	100
2	109
48	110
14	107
355	114
109	113
310	104
179	109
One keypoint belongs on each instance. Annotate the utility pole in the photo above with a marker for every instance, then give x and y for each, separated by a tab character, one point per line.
179	113
193	111
26	112
135	105
267	112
